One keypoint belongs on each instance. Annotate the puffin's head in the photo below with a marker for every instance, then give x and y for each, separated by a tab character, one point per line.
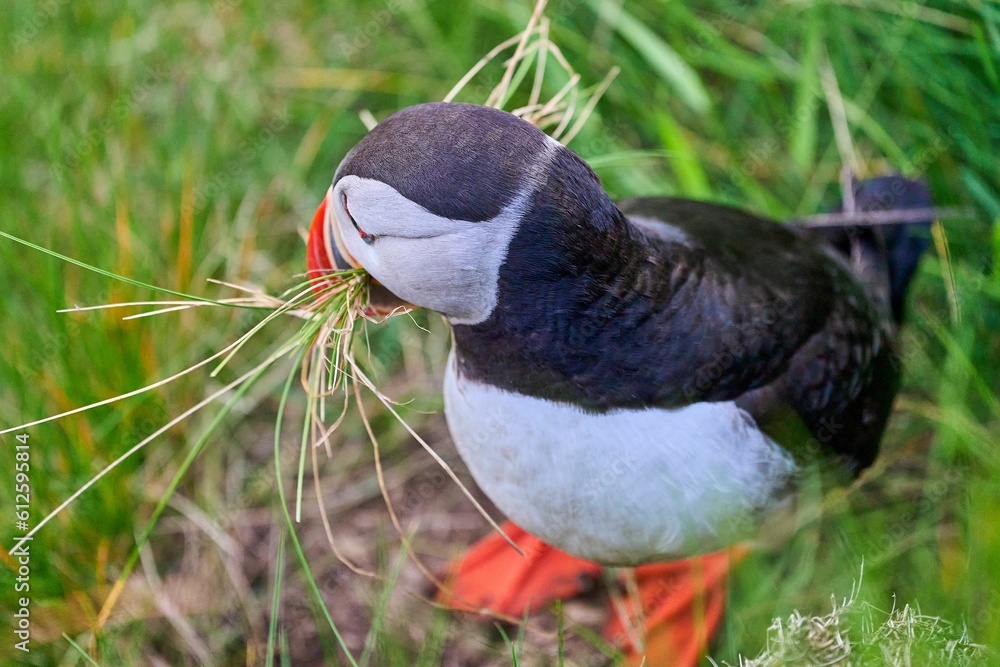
428	202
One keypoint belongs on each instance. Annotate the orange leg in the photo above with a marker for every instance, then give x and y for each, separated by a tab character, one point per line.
493	576
680	609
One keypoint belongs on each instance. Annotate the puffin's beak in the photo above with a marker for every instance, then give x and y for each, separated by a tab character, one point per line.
322	254
325	254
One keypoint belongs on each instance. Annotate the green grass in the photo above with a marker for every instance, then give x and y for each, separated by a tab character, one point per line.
179	142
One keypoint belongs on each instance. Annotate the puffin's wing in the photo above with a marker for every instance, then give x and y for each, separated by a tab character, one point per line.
775	320
735	296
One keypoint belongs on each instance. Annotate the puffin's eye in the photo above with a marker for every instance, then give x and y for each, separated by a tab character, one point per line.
365	236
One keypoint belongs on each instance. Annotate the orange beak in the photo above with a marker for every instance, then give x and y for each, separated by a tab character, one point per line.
324	256
317	259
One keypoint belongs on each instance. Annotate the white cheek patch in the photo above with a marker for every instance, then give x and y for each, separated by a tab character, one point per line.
451	266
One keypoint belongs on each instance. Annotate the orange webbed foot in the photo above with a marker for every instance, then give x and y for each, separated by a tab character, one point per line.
680	608
492	576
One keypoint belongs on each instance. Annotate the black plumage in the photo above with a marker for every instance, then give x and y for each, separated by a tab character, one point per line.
603	313
662	302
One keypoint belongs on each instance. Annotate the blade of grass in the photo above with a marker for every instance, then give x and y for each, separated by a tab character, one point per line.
591	104
303	561
114	276
485	60
272	630
381	606
434	642
501	90
560	647
838	117
286	650
307	421
661	56
947	270
514	659
686	163
522	71
802	142
86	656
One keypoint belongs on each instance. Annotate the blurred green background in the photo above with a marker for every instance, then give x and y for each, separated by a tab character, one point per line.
176	142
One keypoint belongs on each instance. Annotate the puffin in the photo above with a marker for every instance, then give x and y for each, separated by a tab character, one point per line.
640	383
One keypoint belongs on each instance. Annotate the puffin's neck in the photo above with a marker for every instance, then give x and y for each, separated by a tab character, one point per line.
575	286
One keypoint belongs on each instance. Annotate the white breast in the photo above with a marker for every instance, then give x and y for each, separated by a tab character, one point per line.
623	487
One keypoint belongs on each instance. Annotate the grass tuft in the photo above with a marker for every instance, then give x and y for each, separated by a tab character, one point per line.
859	634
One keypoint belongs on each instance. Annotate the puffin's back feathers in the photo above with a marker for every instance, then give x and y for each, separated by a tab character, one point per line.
606	314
